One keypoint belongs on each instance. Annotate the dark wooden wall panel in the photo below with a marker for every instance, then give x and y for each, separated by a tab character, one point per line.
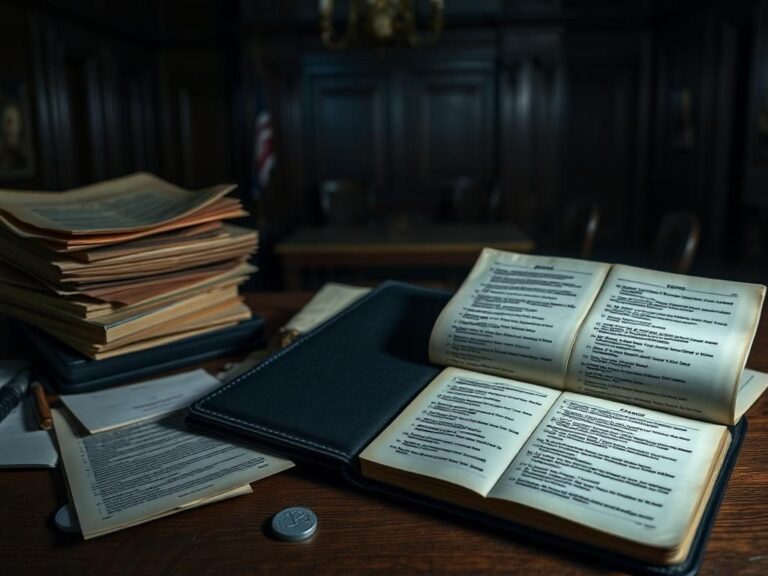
756	158
75	81
351	128
450	125
410	126
531	86
19	65
753	216
552	100
130	109
692	162
602	131
196	107
114	92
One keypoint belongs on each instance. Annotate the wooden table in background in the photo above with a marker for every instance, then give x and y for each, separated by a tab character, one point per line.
423	246
358	533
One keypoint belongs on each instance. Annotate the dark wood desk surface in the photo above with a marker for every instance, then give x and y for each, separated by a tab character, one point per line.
358	533
424	246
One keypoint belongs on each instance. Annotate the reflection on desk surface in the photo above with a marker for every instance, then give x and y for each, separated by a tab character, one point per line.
436	238
313	255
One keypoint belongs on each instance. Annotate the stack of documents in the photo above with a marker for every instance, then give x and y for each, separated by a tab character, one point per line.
124	265
128	457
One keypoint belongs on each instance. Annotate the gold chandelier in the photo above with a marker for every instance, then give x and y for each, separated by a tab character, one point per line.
383	21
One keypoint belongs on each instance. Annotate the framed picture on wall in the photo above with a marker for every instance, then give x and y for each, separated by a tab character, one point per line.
16	158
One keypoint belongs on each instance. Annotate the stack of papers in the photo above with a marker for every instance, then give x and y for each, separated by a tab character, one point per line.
124	265
128	457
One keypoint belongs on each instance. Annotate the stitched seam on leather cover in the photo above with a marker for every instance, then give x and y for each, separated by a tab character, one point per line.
283	434
275	357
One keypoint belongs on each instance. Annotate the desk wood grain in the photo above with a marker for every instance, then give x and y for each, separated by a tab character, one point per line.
358	533
421	246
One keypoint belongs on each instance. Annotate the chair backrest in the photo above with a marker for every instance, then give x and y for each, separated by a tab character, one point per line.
580	223
474	202
345	203
677	241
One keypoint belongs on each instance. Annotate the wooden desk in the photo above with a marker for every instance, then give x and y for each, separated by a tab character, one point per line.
358	533
424	246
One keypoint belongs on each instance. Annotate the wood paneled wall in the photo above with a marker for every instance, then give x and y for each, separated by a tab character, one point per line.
121	87
637	106
643	107
546	114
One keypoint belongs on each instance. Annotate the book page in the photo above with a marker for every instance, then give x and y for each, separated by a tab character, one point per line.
631	472
751	387
464	428
666	341
517	316
123	204
331	299
133	474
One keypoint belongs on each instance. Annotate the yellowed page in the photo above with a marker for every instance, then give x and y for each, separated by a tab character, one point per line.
120	406
463	428
184	236
517	316
752	385
328	301
134	202
153	342
66	242
667	341
134	474
234	238
635	473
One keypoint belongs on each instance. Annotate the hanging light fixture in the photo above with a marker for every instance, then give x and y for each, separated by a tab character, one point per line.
383	21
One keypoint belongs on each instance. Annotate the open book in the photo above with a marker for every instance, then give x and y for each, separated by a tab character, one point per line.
583	399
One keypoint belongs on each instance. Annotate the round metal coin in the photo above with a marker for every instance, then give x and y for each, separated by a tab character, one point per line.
294	524
66	521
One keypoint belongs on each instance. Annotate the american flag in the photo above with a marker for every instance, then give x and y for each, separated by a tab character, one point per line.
264	155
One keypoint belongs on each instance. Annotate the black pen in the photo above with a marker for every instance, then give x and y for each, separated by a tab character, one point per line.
13	392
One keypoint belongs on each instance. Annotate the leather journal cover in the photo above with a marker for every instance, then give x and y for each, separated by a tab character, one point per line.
324	398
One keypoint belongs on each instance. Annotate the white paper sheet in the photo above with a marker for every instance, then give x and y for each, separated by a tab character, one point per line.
22	443
123	405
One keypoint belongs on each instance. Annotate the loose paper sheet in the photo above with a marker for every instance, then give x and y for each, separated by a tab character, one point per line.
331	299
22	443
138	473
115	407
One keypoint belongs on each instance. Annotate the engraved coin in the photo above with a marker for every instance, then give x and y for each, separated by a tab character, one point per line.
294	524
66	521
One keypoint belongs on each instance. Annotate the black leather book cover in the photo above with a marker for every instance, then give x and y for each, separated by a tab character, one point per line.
324	398
329	393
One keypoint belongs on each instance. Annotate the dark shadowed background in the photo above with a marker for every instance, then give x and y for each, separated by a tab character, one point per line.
523	111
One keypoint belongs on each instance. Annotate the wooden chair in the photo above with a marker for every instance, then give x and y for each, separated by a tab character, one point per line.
579	229
473	202
677	240
345	203
467	202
